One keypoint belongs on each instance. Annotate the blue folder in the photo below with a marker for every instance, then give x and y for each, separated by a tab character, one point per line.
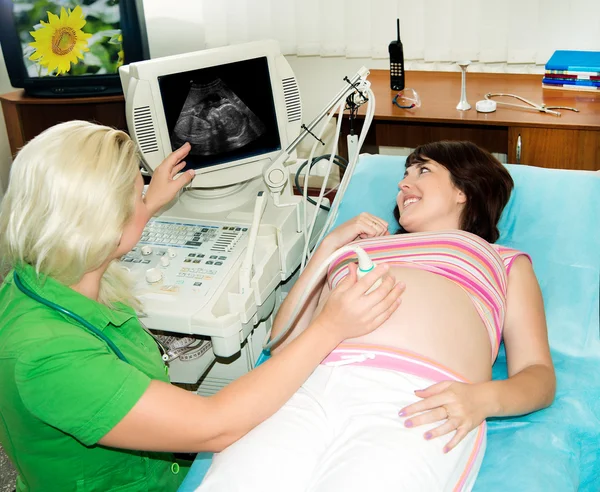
574	61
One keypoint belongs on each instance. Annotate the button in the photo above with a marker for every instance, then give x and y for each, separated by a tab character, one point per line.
171	252
174	467
197	284
146	250
145	262
197	261
187	260
210	262
128	260
222	257
192	255
218	263
137	260
213	257
153	275
164	261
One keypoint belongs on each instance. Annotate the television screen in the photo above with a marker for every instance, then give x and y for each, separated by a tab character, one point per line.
46	42
63	42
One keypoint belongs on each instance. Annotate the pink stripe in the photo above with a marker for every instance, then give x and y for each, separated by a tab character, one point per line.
451	258
481	433
435	241
394	359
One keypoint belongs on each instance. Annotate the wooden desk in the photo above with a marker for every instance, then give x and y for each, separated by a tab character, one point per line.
27	116
571	141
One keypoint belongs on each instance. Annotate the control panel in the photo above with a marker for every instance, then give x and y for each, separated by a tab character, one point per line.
179	265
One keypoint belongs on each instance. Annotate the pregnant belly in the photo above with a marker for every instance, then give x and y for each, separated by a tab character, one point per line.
436	319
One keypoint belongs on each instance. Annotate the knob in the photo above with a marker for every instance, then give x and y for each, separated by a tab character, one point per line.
171	252
164	261
153	275
146	250
276	176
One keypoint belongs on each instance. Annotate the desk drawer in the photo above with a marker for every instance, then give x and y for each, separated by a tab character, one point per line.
555	148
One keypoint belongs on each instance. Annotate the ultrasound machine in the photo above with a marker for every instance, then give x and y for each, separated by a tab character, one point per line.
213	266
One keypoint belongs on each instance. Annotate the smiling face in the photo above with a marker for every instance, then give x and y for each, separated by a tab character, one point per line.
428	200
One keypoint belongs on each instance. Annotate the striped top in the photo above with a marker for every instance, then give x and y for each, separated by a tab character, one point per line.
477	266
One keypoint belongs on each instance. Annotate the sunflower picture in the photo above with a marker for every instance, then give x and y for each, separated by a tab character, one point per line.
60	41
70	37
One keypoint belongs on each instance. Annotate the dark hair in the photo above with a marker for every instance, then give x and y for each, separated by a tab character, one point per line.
479	175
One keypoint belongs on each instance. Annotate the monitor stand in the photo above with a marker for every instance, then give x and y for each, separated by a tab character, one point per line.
217	200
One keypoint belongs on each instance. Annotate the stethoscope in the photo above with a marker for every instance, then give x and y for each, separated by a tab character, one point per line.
530	104
83	322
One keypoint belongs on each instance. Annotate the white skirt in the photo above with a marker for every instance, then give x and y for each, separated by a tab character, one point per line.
341	432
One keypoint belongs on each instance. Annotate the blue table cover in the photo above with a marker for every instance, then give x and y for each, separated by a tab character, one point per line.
554	215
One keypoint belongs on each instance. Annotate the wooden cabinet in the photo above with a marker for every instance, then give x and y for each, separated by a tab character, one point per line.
27	116
555	148
571	141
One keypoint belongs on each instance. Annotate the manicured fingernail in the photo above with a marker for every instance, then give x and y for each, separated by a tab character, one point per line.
428	435
408	423
446	449
401	413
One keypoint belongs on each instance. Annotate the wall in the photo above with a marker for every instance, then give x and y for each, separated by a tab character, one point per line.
180	29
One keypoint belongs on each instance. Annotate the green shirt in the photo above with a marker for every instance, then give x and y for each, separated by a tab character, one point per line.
62	389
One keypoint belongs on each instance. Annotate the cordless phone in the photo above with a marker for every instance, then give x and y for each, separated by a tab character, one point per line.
396	62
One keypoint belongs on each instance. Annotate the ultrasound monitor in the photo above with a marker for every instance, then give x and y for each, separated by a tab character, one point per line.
238	107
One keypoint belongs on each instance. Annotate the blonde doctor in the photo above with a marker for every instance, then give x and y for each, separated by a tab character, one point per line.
74	415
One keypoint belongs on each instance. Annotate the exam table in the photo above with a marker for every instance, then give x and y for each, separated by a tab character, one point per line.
554	215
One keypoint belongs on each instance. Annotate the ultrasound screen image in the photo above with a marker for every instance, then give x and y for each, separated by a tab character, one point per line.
225	112
214	120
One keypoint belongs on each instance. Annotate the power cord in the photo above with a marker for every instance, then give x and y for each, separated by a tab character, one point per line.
338	160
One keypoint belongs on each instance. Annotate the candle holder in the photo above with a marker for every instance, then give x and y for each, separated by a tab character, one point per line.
463	104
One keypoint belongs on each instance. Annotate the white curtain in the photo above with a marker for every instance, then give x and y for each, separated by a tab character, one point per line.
488	31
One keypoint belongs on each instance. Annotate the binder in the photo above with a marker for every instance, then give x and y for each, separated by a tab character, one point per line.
574	61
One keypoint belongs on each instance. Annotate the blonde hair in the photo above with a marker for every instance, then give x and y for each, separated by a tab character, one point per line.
71	191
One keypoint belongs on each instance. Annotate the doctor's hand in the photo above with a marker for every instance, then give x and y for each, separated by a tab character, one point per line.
363	226
350	312
165	184
460	407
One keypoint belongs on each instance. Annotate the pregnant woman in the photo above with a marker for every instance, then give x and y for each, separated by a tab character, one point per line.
404	407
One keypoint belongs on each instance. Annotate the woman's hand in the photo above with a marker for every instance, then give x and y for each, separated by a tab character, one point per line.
353	313
362	226
164	184
461	406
